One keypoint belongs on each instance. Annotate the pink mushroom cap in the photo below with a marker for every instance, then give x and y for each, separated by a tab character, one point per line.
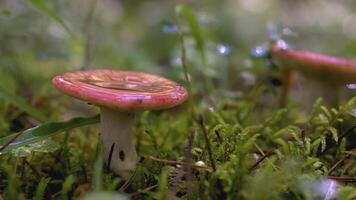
121	90
326	68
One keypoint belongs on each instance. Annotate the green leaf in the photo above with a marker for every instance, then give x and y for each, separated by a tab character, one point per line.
194	28
347	193
315	144
43	8
67	186
326	111
47	145
323	143
44	131
22	104
334	111
41	188
333	133
98	173
307	143
320	119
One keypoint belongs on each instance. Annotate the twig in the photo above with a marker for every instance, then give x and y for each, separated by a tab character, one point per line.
187	161
343	179
263	154
338	163
186	170
143	191
37	174
17	160
10	141
261	159
351	152
174	162
127	182
205	133
347	132
220	139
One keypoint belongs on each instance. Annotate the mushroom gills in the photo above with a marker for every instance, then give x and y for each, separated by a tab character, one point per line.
119	148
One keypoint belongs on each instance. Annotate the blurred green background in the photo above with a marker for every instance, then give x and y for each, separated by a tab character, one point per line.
143	35
42	38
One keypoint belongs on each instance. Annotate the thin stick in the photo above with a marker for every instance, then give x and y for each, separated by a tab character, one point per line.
174	162
37	174
187	161
10	141
143	191
343	179
208	146
260	160
347	132
186	170
263	154
338	163
127	182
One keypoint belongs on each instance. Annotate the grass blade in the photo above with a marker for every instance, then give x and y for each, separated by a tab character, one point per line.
43	8
44	131
194	28
41	188
67	187
22	104
98	173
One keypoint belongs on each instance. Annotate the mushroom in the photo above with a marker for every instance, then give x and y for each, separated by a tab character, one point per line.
324	68
333	71
118	94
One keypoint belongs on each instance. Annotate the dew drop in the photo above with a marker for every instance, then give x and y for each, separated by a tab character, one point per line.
200	163
259	52
223	49
170	28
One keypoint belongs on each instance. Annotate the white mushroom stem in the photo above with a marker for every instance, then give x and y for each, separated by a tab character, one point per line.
119	148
